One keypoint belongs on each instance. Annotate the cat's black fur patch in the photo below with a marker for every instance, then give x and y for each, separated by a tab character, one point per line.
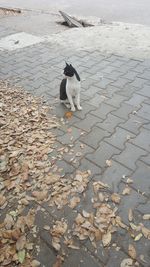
69	71
63	95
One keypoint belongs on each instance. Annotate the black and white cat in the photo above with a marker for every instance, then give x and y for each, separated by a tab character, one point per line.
70	87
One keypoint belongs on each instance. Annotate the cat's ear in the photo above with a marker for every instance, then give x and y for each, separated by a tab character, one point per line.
70	65
66	63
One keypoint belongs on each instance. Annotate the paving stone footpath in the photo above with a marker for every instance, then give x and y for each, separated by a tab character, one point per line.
115	123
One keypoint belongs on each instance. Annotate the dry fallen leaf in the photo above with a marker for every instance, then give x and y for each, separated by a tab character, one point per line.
56	244
79	219
138	237
58	262
35	263
146	232
68	114
20	244
108	163
129	181
135	227
132	251
130	215
9	222
126	191
40	195
146	217
2	200
85	214
46	227
74	201
115	198
106	239
127	263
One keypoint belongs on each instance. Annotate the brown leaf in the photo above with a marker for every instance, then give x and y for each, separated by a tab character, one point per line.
20	244
25	172
56	244
126	191
46	227
74	201
132	251
16	234
40	195
85	214
58	262
98	235
129	181
108	163
9	222
146	217
2	200
68	114
106	239
79	219
130	215
35	263
146	232
115	198
138	237
127	263
51	179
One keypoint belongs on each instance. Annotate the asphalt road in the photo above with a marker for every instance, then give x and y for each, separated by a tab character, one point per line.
132	11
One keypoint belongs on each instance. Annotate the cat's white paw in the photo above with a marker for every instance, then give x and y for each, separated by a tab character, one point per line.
73	109
79	108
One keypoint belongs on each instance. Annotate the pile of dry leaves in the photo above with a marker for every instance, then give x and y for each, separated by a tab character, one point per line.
25	144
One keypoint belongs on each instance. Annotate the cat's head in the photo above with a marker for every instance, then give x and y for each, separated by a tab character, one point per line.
68	70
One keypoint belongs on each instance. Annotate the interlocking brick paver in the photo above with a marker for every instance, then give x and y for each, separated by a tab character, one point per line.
120	82
129	202
114	75
141	178
115	258
127	90
70	137
146	159
116	100
130	155
103	153
113	175
117	63
145	91
103	110
110	123
144	112
76	153
130	75
133	124
143	139
94	137
119	138
104	82
145	75
81	258
87	123
135	100
138	82
124	111
86	109
64	167
85	164
97	100
139	69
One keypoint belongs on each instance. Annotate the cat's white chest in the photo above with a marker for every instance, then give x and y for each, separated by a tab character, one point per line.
73	86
